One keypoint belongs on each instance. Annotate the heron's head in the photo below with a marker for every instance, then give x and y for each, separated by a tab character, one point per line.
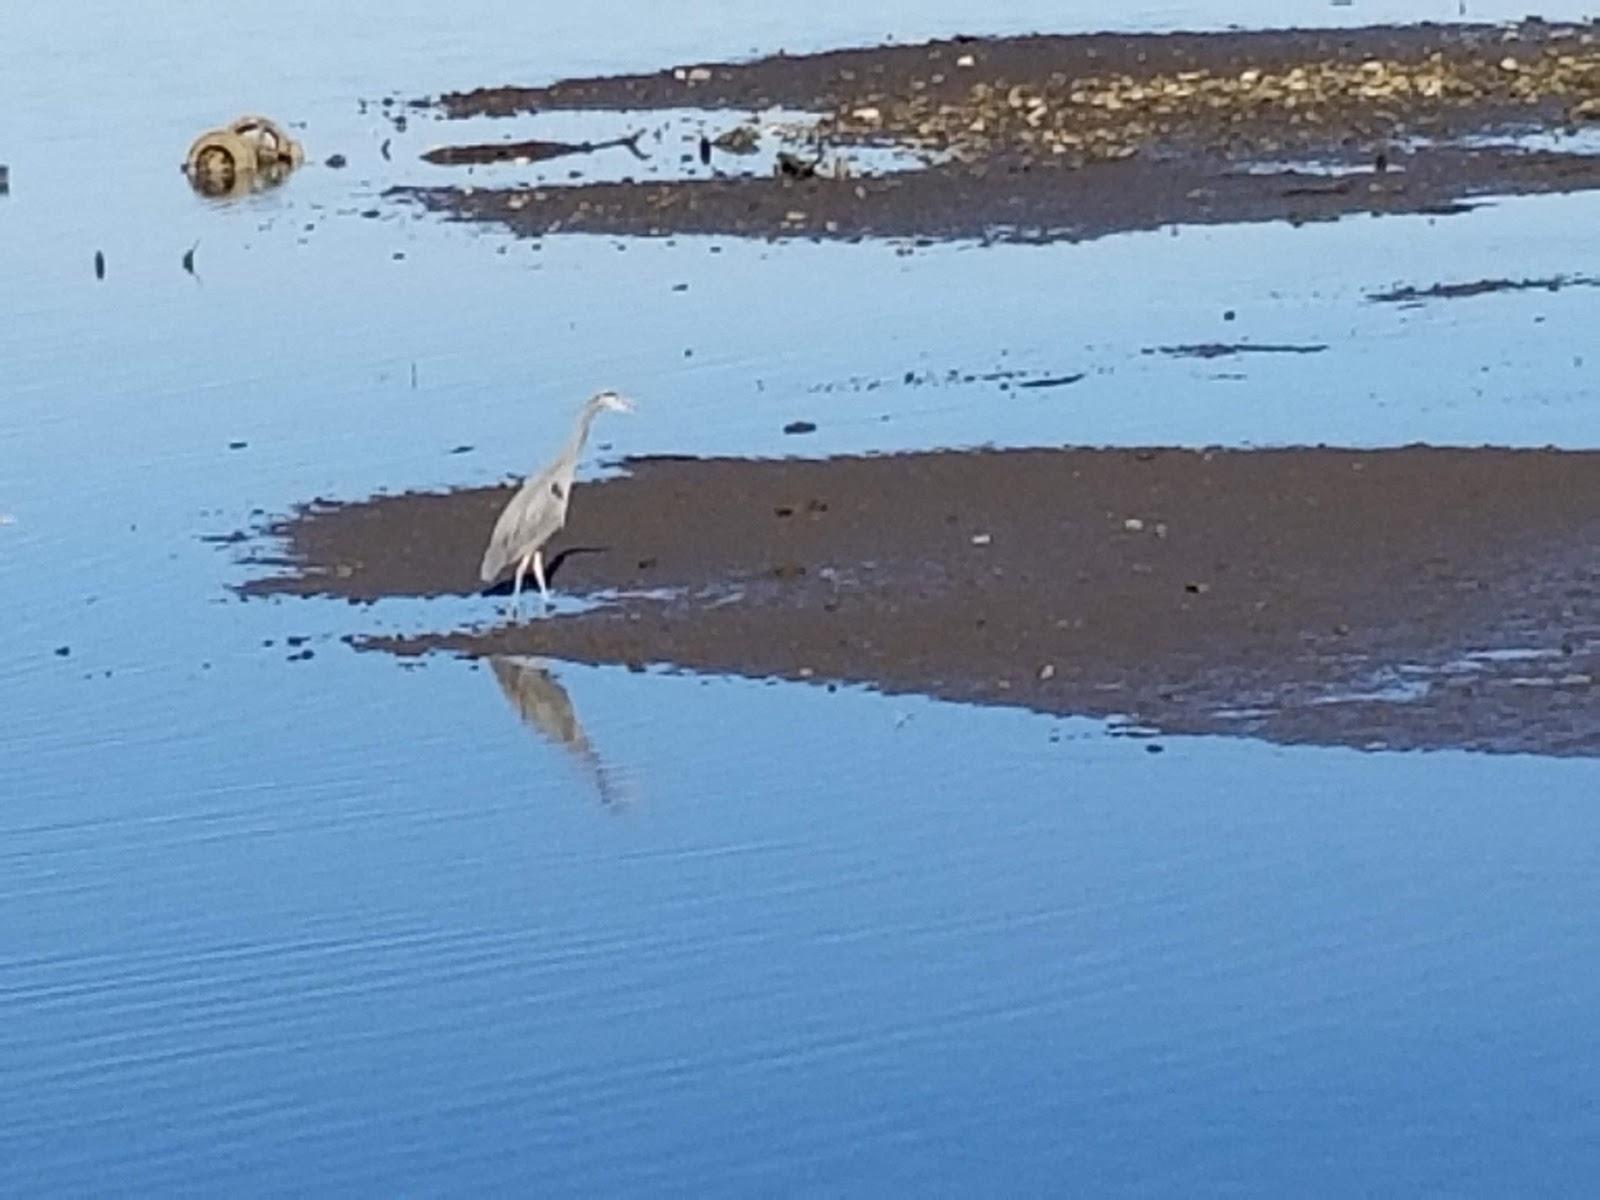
613	401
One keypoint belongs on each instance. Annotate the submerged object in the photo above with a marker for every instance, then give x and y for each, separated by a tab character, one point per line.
531	151
5	179
248	153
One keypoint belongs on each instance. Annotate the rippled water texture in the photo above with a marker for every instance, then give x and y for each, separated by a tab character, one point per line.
280	917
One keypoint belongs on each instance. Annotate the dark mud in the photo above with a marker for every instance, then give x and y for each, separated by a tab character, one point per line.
1480	287
1412	598
1233	349
479	154
1039	138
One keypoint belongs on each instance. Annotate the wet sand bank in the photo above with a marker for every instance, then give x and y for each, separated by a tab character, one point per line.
1046	137
1402	598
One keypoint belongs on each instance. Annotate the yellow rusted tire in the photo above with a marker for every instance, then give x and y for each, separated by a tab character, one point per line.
271	143
220	157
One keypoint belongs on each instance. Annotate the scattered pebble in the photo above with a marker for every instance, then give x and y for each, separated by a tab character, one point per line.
336	161
237	445
99	264
1048	671
800	427
1133	525
981	539
1197	589
63	651
1153	748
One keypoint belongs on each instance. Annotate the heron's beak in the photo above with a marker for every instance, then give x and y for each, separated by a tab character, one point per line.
626	404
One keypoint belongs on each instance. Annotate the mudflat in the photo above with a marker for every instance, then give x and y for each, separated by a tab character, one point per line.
1407	598
1051	137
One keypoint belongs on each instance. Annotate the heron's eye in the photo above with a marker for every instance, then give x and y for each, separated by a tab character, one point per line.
555	490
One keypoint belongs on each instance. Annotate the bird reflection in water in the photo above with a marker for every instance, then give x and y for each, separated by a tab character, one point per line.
544	706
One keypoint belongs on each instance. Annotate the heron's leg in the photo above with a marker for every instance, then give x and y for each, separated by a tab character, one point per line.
538	575
516	588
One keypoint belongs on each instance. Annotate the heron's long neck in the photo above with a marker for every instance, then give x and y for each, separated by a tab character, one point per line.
580	430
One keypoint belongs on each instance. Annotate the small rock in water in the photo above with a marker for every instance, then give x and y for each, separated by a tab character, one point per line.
792	166
237	445
63	651
336	161
741	139
800	427
99	264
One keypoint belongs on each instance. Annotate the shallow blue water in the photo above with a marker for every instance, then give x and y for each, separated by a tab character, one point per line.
338	925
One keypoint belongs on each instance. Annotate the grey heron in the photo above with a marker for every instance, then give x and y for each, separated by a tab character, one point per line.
539	509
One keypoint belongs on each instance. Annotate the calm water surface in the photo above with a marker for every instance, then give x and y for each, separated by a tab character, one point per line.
333	925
